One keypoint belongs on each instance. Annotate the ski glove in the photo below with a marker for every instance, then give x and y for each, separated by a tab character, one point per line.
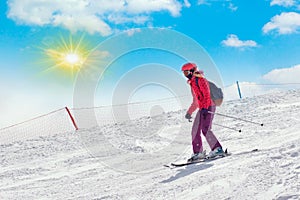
188	116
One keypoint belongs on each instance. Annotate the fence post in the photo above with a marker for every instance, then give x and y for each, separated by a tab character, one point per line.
72	118
239	90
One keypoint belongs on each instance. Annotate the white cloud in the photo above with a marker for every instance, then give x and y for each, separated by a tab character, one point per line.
148	6
232	7
233	41
285	3
121	19
285	23
89	23
285	75
131	32
202	2
187	3
93	16
226	3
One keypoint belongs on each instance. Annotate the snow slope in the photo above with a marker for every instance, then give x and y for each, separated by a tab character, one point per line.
125	160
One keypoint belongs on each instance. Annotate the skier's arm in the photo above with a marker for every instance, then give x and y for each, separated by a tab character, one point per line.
194	105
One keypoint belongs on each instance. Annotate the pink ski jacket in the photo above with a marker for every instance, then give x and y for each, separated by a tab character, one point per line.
201	94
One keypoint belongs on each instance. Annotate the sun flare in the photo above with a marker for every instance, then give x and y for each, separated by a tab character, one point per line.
66	55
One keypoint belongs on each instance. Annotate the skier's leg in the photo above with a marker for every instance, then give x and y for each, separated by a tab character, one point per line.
206	129
196	137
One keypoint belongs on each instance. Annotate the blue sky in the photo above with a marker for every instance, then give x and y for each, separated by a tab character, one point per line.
249	40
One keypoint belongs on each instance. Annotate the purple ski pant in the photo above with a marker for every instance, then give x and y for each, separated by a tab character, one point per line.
204	123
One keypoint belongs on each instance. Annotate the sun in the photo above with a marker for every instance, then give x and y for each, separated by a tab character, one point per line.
66	55
66	59
72	58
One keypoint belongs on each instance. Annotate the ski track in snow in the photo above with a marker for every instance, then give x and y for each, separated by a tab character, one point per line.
79	166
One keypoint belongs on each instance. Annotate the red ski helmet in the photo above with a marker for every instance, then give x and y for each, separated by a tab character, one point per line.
189	67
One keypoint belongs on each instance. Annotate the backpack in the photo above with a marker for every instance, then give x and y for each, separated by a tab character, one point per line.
216	93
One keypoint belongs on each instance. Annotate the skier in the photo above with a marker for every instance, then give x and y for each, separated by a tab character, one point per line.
203	120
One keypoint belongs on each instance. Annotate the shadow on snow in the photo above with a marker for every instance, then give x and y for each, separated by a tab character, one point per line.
182	172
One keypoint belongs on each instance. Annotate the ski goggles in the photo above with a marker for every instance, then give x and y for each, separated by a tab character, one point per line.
186	72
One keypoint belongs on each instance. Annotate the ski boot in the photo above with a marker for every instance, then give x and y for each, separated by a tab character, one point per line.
197	156
216	152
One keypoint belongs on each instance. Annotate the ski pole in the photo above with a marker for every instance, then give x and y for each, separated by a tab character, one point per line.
236	118
239	130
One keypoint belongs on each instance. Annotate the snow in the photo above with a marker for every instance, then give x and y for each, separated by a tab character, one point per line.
125	160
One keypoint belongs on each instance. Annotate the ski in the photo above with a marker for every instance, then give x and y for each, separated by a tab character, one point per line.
226	154
201	160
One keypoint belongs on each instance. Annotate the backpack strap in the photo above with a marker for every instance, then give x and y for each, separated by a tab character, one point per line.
197	80
197	83
197	76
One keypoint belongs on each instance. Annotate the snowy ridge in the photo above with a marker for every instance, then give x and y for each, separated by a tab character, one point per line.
124	160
